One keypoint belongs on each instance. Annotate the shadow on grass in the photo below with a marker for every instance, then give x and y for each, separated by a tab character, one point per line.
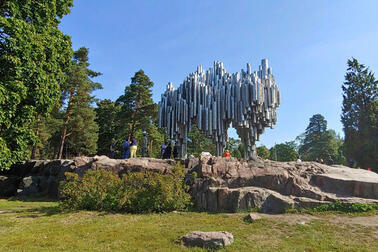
32	199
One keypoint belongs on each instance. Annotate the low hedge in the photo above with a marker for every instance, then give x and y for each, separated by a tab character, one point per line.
135	192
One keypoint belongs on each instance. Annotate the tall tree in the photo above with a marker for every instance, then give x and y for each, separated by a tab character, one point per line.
34	54
106	118
360	115
136	113
79	115
138	109
314	138
319	143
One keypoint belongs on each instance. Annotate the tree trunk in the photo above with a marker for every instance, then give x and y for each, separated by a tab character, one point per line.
34	148
64	131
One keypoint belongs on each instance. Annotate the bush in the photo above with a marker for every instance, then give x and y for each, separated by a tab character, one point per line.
133	193
337	206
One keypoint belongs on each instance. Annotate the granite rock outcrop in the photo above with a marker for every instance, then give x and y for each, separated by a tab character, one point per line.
217	184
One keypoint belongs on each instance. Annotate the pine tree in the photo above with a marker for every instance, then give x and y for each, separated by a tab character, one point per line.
34	55
138	109
78	122
319	143
360	115
106	118
138	114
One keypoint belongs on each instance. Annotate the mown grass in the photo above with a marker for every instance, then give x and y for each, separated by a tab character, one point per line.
42	226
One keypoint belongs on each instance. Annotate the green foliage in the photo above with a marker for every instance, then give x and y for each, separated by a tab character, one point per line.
34	54
137	106
283	152
106	118
337	206
360	115
135	193
79	131
132	113
198	143
263	152
319	143
233	146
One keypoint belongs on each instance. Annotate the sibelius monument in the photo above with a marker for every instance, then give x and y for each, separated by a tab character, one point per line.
214	99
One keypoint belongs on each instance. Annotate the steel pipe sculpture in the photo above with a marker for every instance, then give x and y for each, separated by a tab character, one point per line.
214	99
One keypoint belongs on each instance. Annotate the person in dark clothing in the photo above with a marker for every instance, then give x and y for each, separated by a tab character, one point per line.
330	160
167	152
162	149
112	149
126	149
175	152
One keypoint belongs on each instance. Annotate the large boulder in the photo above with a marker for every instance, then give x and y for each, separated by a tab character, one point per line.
121	166
33	186
8	185
227	184
209	240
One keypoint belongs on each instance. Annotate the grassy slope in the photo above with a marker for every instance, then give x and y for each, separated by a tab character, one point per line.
36	226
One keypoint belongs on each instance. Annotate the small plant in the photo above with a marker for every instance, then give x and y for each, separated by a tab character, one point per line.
133	193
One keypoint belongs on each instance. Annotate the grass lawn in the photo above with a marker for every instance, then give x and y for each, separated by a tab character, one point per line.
41	226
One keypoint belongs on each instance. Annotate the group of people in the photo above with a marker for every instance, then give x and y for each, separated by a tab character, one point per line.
166	151
130	147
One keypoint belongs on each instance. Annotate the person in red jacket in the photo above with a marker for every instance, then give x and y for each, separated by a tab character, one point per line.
226	153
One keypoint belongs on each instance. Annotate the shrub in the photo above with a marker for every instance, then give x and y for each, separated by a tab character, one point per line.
133	193
337	206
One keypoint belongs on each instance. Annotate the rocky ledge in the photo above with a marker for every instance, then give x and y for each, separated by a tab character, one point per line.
229	185
217	184
42	177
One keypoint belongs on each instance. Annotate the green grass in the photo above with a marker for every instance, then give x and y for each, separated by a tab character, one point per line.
42	226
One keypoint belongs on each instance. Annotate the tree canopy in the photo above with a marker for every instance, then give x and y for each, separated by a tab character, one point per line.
198	143
284	152
34	55
360	115
137	106
263	152
319	143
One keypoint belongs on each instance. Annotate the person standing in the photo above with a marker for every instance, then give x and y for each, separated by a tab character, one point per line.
167	152
112	149
227	154
144	145
162	149
133	147
175	152
126	149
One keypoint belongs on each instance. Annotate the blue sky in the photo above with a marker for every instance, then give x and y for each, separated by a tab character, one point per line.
307	44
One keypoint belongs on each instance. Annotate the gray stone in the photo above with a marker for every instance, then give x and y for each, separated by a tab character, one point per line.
34	186
210	240
8	185
277	203
252	217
